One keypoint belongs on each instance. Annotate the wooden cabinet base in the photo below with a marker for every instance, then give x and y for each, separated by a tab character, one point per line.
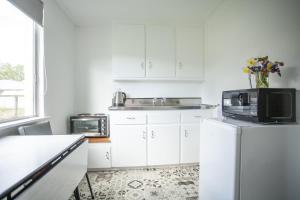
98	140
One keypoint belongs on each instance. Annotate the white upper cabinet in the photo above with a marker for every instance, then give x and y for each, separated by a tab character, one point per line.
160	51
189	52
128	51
157	52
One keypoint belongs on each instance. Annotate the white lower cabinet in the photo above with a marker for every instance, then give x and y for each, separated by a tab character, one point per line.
163	144
129	145
141	138
99	155
189	143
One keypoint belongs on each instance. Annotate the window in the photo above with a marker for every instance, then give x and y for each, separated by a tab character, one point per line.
18	64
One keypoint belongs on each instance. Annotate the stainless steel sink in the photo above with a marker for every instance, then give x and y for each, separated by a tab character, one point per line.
162	104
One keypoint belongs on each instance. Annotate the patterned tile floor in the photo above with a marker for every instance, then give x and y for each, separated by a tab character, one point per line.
168	183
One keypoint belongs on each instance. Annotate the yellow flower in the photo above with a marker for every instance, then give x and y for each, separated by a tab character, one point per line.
251	62
269	66
246	70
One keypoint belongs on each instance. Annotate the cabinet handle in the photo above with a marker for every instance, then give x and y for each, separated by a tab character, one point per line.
143	65
130	117
107	155
150	64
152	135
198	116
144	135
186	134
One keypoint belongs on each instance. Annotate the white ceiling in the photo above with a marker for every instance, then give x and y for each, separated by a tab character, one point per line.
93	12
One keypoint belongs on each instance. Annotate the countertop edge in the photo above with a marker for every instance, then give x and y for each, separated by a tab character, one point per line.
158	108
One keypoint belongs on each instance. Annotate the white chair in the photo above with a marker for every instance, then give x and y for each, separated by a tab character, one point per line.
42	128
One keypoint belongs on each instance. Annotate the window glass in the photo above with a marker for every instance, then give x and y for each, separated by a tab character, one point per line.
17	66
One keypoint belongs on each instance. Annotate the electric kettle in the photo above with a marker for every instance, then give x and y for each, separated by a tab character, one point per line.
119	98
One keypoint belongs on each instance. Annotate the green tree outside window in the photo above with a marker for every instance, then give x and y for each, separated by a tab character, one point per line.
9	72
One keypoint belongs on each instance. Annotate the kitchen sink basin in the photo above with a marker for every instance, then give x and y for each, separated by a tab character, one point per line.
162	104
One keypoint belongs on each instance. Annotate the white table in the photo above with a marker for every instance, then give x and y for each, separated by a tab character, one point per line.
41	167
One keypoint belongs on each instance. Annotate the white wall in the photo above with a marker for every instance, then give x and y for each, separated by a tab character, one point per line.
59	61
93	69
239	30
94	85
159	88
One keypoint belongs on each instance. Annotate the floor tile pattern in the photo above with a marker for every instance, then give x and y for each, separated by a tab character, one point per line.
161	183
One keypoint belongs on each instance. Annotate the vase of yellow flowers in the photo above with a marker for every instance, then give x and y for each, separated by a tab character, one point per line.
261	67
262	80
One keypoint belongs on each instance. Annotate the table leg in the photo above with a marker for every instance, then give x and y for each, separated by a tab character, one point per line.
89	184
76	194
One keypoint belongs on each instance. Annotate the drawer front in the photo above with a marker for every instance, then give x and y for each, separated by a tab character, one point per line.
128	117
164	117
194	116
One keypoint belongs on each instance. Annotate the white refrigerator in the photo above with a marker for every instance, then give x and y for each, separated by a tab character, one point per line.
247	161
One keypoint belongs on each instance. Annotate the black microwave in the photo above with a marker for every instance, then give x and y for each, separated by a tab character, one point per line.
262	105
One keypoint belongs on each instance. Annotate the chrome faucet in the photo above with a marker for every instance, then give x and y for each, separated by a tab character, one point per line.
163	100
154	101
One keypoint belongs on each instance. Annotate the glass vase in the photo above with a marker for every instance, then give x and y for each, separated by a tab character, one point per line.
262	80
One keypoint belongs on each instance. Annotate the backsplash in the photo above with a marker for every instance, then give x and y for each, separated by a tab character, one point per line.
146	89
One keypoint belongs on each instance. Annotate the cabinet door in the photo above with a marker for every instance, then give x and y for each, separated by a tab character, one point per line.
190	143
163	144
189	52
128	145
128	56
160	51
99	155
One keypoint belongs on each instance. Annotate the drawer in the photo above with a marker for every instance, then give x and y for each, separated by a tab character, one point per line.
194	116
128	117
164	117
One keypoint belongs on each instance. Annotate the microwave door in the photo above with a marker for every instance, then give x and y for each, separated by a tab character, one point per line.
86	125
279	105
237	103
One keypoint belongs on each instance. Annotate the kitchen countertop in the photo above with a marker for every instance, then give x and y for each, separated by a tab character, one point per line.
162	107
23	156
